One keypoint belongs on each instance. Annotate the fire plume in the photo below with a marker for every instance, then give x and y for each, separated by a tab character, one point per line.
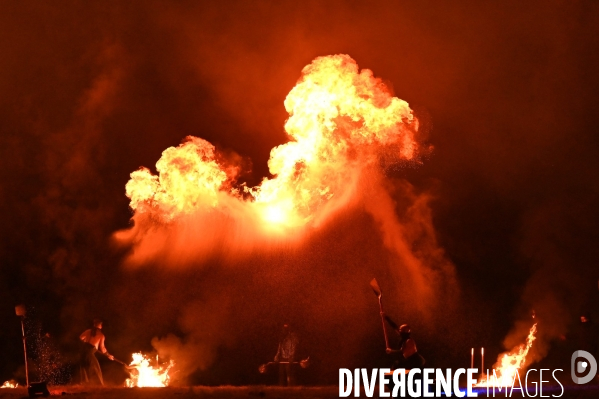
339	119
509	363
344	127
147	372
10	384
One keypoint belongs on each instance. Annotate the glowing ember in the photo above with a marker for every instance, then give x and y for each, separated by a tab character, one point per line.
10	384
147	372
504	371
340	119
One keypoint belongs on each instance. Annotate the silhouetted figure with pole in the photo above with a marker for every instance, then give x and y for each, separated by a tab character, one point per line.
93	340
410	358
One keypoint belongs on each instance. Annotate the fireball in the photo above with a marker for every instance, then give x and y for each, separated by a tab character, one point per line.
340	117
147	372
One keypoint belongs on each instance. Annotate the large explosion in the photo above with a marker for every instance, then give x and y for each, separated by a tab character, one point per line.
340	120
343	124
345	128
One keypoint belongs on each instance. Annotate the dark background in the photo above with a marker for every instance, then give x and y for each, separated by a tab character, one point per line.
91	91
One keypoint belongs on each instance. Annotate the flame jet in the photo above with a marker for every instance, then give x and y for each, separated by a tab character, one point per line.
510	363
342	122
339	117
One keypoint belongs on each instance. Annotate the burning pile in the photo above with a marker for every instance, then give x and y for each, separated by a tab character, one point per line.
148	372
508	364
10	384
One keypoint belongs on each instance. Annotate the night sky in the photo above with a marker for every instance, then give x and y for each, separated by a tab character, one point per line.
90	91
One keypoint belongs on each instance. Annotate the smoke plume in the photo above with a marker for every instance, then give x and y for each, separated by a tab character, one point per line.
343	125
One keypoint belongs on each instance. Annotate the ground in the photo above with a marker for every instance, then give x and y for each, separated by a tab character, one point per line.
257	392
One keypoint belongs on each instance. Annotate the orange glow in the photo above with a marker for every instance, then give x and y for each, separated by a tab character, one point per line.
340	118
510	362
10	384
189	179
147	372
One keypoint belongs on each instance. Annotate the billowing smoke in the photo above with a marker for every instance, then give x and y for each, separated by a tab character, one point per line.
91	93
343	125
205	330
559	290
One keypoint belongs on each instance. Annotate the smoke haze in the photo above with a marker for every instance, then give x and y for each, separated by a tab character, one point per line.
499	220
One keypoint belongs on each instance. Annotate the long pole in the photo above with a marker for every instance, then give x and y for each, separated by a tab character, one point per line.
383	321
25	351
379	294
482	359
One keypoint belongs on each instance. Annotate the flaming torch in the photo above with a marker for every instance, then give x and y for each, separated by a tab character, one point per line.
21	312
34	388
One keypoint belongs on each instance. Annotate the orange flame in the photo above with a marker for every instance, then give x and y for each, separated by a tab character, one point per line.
509	363
148	373
10	384
340	118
